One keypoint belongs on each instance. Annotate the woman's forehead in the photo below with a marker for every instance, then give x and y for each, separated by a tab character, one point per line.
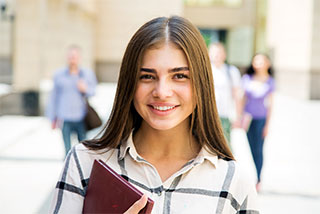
161	44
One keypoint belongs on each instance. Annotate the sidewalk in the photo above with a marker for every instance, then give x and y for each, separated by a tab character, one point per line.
31	158
290	176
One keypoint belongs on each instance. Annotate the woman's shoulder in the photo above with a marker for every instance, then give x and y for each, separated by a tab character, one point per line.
242	174
243	180
83	158
271	80
238	171
240	179
242	186
271	84
84	152
246	78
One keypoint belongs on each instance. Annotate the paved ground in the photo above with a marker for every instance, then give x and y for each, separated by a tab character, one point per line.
31	157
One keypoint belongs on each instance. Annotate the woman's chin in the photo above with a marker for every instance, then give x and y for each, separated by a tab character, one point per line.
162	126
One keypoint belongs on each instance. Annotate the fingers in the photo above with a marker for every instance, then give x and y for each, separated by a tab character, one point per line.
138	205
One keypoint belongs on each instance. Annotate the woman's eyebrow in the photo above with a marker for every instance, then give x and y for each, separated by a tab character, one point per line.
149	70
179	69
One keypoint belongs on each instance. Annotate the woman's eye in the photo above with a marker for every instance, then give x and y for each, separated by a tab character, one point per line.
181	76
146	77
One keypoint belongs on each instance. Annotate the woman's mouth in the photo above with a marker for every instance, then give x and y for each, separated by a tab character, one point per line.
163	109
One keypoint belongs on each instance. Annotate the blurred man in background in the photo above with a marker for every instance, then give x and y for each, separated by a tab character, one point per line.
227	84
67	104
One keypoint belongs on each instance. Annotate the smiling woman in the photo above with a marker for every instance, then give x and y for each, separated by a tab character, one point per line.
163	135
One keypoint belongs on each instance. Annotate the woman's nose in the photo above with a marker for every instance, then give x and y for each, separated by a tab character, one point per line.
162	89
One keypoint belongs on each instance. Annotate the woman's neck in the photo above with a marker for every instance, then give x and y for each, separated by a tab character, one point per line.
156	144
261	76
167	150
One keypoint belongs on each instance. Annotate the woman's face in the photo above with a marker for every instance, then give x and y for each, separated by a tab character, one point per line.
260	63
163	96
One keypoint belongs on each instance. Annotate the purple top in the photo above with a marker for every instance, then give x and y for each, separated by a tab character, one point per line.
256	92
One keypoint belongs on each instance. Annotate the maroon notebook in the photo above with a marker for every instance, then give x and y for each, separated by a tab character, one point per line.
108	192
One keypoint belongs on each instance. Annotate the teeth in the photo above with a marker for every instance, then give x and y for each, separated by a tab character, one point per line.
163	108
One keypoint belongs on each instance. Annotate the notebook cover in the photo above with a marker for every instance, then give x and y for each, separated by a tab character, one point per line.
108	192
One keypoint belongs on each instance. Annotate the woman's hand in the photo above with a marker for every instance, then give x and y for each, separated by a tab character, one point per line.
138	205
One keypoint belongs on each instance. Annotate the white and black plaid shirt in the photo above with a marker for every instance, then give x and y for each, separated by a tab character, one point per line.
206	184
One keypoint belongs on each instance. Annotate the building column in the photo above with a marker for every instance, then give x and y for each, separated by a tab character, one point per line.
292	26
315	53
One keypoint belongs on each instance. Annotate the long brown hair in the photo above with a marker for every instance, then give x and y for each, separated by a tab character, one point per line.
205	124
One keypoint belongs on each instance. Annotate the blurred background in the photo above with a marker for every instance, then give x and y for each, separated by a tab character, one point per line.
36	33
34	36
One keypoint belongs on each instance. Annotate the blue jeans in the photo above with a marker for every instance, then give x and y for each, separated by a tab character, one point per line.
256	140
72	127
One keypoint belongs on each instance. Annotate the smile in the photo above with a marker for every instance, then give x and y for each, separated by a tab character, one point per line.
162	108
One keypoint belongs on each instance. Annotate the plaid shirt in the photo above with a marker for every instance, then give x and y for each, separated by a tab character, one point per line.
206	184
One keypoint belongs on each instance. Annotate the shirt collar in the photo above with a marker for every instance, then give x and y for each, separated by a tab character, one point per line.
204	154
66	71
128	147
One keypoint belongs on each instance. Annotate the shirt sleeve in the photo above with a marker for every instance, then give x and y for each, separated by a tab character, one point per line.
244	81
51	109
248	197
272	85
250	203
69	193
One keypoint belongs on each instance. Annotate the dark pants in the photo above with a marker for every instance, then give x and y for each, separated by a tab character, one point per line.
72	127
256	140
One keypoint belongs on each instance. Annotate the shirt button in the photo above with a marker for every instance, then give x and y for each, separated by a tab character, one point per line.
159	193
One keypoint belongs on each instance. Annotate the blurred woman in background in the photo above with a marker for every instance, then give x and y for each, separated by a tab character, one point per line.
258	86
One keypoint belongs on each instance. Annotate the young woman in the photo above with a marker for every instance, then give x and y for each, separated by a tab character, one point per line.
258	86
164	134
